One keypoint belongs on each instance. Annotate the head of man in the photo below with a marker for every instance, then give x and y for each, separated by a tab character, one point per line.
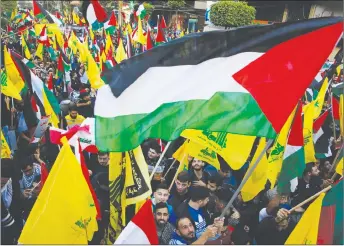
200	196
213	183
161	214
224	170
103	158
73	112
240	237
161	193
154	151
27	166
197	164
311	170
185	228
183	182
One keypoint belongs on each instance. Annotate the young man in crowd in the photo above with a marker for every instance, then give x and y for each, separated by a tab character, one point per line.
180	190
100	165
161	195
197	175
165	229
73	118
194	208
84	104
186	233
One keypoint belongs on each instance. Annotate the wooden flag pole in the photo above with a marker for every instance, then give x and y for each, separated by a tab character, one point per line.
247	176
175	176
168	170
310	198
335	159
159	161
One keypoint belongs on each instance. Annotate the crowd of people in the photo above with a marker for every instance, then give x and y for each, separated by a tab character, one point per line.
188	213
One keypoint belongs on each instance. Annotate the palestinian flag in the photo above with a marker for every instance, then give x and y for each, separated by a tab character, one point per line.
245	79
337	89
294	155
94	13
149	42
110	25
60	68
160	38
28	63
163	22
141	12
40	13
43	37
9	30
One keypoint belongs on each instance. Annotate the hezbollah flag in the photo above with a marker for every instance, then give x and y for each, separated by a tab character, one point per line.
234	149
64	212
7	87
276	155
12	71
308	132
182	155
245	83
5	149
25	48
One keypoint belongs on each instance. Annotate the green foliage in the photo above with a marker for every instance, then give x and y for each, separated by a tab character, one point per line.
175	4
8	6
149	8
232	14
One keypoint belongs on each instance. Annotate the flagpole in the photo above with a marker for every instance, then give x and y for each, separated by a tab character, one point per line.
334	124
160	159
247	176
168	170
335	159
176	174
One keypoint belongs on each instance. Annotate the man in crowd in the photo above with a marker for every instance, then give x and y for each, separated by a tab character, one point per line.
186	233
101	165
84	104
73	118
180	190
197	175
161	195
164	228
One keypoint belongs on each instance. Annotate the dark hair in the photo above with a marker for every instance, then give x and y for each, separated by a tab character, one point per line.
162	186
240	236
183	177
103	153
214	179
73	107
199	193
184	217
160	205
309	167
154	145
25	162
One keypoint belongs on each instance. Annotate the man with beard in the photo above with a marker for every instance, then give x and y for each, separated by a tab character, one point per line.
185	233
197	175
73	118
164	228
161	194
180	190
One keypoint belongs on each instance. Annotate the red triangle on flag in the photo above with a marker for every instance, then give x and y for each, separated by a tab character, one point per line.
9	29
335	108
36	8
99	11
113	20
284	63
160	38
44	173
34	104
50	82
296	132
163	22
320	121
149	41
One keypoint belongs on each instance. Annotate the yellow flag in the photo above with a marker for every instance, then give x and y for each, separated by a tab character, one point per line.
275	159
308	132
54	119
182	155
203	153
5	149
181	34
76	18
93	73
258	178
306	231
7	87
129	29
341	114
120	53
339	168
64	212
108	44
91	34
233	148
117	195
319	101
72	42
39	51
14	13
12	71
25	48
140	37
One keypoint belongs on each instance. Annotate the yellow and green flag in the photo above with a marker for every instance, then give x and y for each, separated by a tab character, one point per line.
64	212
12	71
7	87
309	112
5	149
25	48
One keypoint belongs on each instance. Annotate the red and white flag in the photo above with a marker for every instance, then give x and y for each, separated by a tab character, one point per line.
141	229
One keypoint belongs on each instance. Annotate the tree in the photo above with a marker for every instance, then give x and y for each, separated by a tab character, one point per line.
176	4
149	8
7	6
232	14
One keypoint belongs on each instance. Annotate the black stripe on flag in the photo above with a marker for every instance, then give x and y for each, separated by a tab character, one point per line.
196	48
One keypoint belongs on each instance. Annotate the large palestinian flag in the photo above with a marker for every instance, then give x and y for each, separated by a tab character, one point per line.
221	81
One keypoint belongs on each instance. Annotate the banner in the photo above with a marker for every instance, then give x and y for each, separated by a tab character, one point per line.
40	129
233	148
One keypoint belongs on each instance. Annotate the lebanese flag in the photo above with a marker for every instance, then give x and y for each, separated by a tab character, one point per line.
43	37
247	75
141	229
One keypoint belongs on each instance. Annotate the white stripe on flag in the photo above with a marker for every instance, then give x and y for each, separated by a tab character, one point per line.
132	234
